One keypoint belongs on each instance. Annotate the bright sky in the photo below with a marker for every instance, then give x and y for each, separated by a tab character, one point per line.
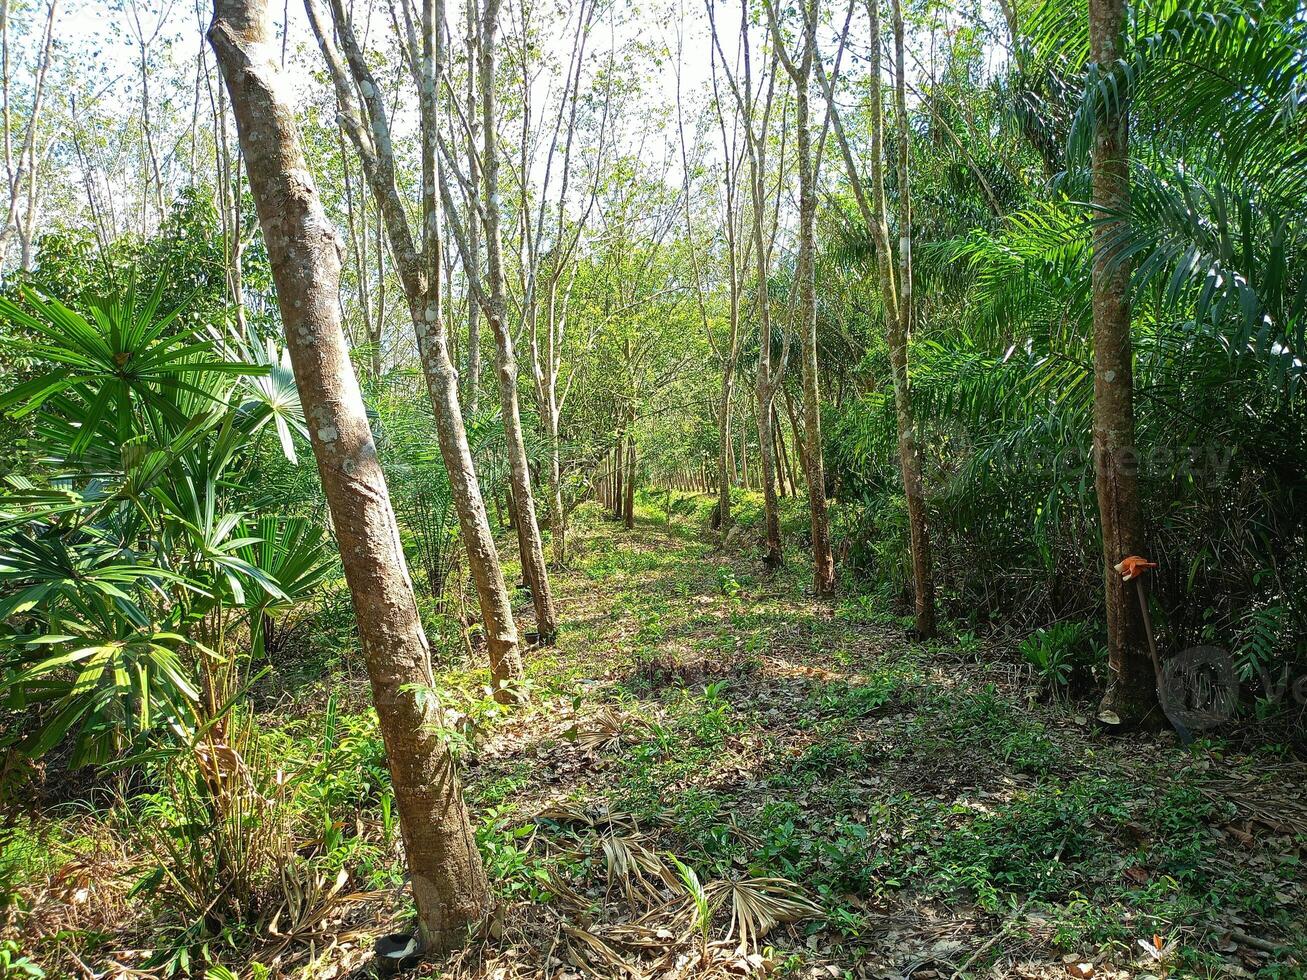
104	35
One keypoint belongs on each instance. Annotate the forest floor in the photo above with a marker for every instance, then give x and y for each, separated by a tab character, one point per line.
903	809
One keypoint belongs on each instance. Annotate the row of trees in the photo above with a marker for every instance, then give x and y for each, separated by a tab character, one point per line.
459	199
851	229
449	885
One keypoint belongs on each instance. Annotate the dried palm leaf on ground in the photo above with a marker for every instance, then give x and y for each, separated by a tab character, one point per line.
596	957
652	939
307	898
312	910
564	893
758	905
604	731
636	868
599	815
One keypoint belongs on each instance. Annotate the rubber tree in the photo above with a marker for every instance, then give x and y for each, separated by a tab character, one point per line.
551	232
472	258
448	880
910	455
895	279
770	368
738	250
418	261
23	176
1131	698
754	107
800	69
490	292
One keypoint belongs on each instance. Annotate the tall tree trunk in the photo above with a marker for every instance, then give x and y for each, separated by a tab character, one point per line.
472	380
735	272
783	467
529	542
800	71
771	558
419	273
23	181
530	545
794	429
898	305
823	560
1131	697
619	476
909	448
724	456
744	460
629	506
377	331
765	385
557	510
551	410
785	456
378	326
449	883
768	371
354	217
765	394
506	669
777	466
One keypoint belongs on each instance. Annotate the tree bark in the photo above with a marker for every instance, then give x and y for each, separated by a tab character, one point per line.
895	287
769	371
619	471
725	460
629	505
771	558
783	464
777	465
472	381
449	883
530	544
23	181
731	350
557	510
367	124
506	669
1131	697
744	461
546	366
909	449
794	428
800	71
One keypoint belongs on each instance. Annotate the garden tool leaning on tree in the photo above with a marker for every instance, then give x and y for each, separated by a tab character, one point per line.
1133	569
